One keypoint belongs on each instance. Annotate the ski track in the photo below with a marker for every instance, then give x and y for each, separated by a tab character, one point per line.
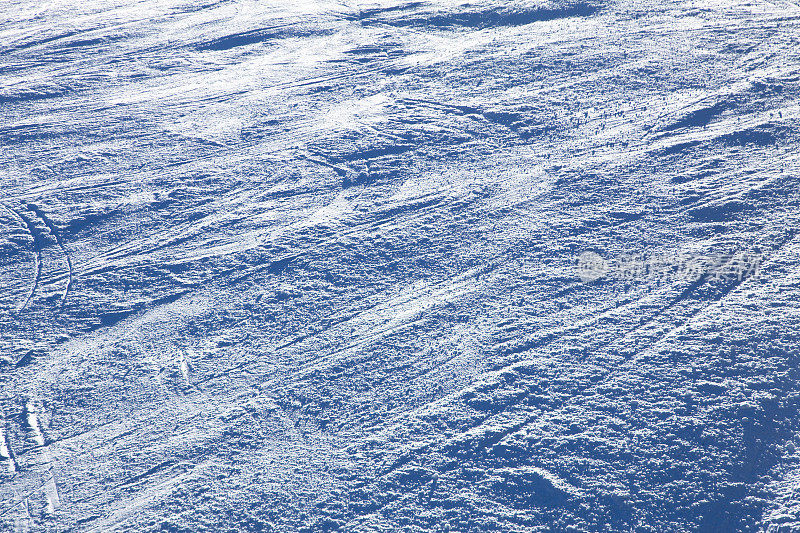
38	257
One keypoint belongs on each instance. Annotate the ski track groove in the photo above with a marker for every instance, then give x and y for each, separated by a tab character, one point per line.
57	235
37	252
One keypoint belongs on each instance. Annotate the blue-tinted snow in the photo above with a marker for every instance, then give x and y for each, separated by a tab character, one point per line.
311	266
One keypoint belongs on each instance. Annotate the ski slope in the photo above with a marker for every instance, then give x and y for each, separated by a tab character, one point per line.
313	266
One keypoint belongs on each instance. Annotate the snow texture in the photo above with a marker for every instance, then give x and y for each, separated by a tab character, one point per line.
313	266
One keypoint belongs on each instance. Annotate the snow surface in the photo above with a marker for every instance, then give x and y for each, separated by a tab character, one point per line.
311	265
